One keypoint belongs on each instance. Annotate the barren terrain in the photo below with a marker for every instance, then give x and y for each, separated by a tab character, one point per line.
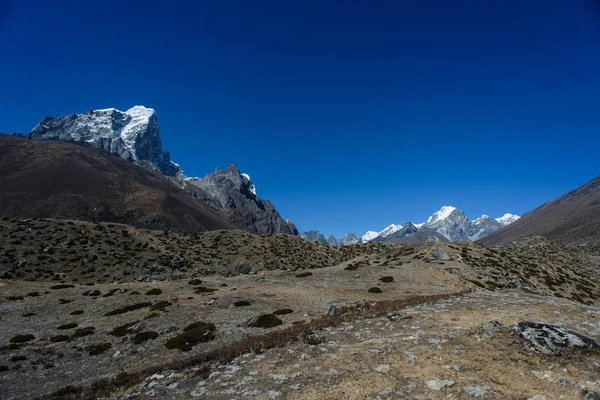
228	314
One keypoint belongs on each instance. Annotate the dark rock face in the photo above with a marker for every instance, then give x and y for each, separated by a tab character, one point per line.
348	239
552	339
483	226
332	241
228	190
132	135
314	235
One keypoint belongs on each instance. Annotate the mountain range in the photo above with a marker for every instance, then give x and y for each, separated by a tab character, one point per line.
134	136
449	224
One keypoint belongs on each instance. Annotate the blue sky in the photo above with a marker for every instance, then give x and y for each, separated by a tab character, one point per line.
348	115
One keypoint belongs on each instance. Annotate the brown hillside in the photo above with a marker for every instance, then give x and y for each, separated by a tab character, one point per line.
573	218
67	180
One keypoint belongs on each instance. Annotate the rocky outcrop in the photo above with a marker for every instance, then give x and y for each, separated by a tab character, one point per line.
314	235
231	191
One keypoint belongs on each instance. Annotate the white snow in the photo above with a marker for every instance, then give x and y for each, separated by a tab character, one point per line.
507	219
419	225
481	219
369	235
140	119
252	187
444	213
390	229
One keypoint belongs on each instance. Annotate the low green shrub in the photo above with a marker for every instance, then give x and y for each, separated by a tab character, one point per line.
386	279
143	336
70	325
242	303
129	308
303	274
375	289
21	338
198	332
153	292
283	311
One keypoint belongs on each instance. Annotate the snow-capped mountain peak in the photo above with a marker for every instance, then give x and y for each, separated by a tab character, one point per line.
481	219
132	134
442	214
369	235
507	219
390	229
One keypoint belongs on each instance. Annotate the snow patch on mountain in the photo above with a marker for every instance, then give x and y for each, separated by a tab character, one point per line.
390	229
442	214
369	235
252	187
507	219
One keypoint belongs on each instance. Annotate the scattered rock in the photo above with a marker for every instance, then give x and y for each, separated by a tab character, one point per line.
438	385
478	392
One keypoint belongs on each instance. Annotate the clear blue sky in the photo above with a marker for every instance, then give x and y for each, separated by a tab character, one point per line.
348	115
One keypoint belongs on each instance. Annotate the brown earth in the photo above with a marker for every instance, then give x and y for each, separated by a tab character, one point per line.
573	218
75	181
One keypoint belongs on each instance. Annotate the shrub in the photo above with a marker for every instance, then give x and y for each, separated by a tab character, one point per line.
375	289
21	338
198	332
84	332
153	292
29	314
3	368
242	303
352	267
303	274
99	348
77	312
203	289
70	325
143	336
123	329
386	279
62	286
125	309
265	321
18	358
195	282
283	311
60	338
161	305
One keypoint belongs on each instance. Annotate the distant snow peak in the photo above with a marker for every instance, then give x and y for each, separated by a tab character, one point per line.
369	235
252	187
419	225
393	228
507	219
481	219
442	214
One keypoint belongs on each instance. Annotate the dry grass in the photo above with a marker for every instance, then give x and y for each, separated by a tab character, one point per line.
258	343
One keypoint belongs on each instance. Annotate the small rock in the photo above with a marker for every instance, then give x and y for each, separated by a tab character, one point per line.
539	397
383	368
386	391
411	357
439	384
478	392
549	376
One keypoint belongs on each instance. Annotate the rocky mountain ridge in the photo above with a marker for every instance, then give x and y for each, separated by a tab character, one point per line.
449	224
134	136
